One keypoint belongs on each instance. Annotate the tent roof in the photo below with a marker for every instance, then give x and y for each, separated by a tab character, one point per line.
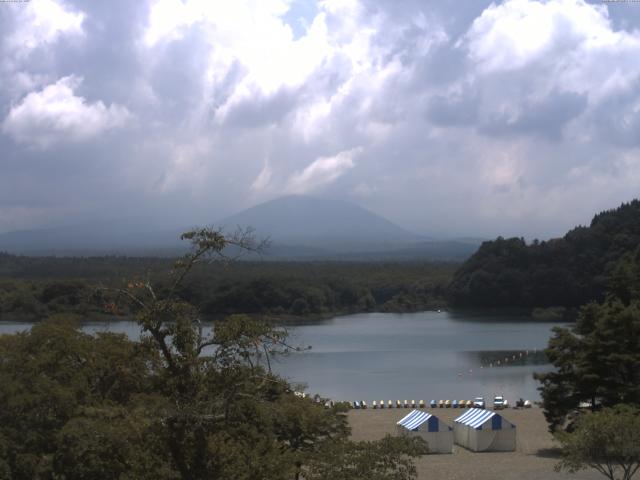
414	419
475	417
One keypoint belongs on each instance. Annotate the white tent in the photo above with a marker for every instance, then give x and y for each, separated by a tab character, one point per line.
484	431
438	435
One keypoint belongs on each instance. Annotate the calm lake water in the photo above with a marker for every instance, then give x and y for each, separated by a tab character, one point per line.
427	355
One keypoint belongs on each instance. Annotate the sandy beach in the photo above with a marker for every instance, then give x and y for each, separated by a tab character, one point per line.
534	458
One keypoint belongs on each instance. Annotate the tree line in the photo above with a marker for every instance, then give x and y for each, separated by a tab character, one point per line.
33	288
569	271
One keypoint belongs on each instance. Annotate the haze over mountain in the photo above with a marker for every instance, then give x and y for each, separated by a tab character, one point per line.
299	227
92	238
307	220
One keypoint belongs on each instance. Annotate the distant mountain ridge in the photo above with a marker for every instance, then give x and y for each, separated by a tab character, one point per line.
299	227
89	238
301	219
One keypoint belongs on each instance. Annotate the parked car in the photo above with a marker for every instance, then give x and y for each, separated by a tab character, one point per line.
478	402
498	402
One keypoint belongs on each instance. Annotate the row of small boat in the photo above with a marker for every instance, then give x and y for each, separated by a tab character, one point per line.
413	404
421	404
452	404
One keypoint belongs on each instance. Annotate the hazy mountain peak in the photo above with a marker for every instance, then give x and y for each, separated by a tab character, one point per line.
308	219
300	227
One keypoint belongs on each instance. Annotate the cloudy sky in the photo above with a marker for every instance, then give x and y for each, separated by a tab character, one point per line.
519	117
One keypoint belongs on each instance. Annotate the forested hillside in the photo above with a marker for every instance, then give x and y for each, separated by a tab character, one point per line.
568	271
36	287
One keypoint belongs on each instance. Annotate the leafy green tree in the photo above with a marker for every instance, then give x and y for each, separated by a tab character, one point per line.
105	443
178	404
624	281
387	459
607	441
597	362
54	375
299	307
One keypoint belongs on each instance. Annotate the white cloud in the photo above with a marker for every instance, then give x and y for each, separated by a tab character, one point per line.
248	32
322	171
248	36
55	114
42	22
517	32
336	51
169	19
571	41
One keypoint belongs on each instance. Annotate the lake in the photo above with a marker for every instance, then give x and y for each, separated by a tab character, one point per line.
426	355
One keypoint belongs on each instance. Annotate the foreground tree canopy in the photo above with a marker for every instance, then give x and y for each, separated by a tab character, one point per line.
607	441
598	360
178	404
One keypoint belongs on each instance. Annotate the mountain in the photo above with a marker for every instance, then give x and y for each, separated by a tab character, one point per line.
299	227
92	238
569	271
311	221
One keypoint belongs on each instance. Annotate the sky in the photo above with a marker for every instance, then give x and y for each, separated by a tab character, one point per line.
519	117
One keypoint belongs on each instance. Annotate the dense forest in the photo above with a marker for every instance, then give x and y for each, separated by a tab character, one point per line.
568	271
32	288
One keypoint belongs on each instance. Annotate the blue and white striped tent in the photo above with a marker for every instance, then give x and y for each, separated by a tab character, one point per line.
438	435
484	431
